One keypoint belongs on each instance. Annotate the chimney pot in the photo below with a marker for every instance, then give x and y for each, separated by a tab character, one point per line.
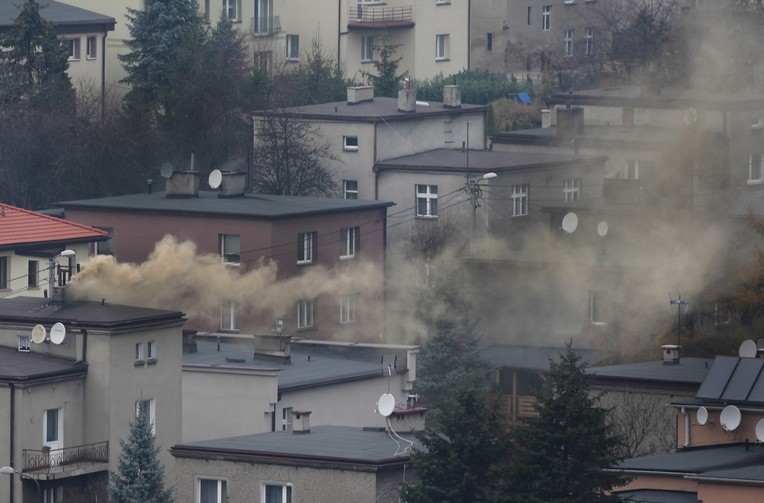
670	354
407	100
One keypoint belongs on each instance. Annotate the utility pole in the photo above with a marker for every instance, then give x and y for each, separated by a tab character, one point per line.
679	302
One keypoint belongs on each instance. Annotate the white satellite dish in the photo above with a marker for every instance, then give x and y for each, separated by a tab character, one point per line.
57	333
747	349
386	404
602	229
760	430
730	418
166	170
38	334
215	179
570	223
702	416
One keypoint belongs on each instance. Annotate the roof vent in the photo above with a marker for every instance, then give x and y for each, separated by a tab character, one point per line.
407	100
570	121
452	96
359	94
670	354
300	421
233	184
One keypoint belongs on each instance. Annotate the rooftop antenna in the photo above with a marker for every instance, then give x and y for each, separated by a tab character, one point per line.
679	302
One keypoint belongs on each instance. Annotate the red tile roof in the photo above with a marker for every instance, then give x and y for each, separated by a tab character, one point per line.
23	227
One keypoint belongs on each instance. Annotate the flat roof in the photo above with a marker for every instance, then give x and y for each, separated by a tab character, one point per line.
699	460
482	161
340	444
24	366
82	313
528	357
376	110
657	496
208	203
310	365
637	96
60	14
689	370
606	137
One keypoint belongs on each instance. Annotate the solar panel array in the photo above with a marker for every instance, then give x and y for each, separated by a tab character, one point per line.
734	379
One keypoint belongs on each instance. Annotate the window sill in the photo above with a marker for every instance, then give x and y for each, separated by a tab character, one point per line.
349	149
232	264
151	361
427	217
344	323
367	61
755	183
438	60
293	60
304	262
347	257
520	216
229	330
599	323
73	59
307	329
446	2
139	363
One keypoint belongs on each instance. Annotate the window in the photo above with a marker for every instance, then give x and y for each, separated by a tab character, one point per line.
264	20
151	355
347	308
350	143
286	418
572	190
349	242
148	407
277	493
489	42
3	272
104	247
32	273
92	48
230	248
212	491
74	49
595	308
367	49
306	247
632	169
350	189
229	318
293	47
52	428
520	200
755	168
569	42
53	494
231	9
588	41
441	47
530	15
427	201
139	353
23	342
304	314
546	18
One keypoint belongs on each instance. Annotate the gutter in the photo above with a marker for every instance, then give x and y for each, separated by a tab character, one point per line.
725	480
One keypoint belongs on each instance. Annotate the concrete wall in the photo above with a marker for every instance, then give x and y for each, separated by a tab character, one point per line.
435	18
489	16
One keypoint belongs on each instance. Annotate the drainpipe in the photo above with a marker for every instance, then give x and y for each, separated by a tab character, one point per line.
686	427
374	161
339	33
13	434
103	77
469	32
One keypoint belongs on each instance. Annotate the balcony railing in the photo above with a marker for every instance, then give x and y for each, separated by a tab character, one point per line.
513	407
363	16
45	460
265	26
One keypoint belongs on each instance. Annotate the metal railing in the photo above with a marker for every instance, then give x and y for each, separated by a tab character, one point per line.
380	15
513	407
44	460
265	26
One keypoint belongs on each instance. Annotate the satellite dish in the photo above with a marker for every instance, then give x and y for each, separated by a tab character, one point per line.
386	404
702	416
747	349
730	418
602	229
215	179
166	170
57	333
38	334
570	223
760	430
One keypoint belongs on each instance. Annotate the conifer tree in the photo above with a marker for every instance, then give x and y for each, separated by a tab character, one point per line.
387	80
561	455
140	478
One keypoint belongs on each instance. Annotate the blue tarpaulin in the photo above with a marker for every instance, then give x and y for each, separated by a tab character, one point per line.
524	98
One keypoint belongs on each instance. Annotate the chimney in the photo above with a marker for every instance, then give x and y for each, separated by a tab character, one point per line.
407	100
546	118
233	184
408	420
189	341
452	96
670	354
359	94
570	121
275	344
300	421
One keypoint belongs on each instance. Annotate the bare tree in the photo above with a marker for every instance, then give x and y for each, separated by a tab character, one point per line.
643	422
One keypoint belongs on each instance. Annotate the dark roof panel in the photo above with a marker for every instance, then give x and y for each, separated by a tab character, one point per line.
718	377
688	371
742	379
24	366
698	460
658	496
57	13
757	391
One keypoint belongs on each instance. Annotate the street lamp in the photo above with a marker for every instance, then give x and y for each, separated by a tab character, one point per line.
473	187
9	470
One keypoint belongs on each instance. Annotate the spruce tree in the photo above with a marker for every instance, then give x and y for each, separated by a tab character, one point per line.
387	80
561	455
140	478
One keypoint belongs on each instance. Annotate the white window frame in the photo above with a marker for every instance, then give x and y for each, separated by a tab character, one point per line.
226	241
442	43
426	201
305	310
151	404
755	163
222	489
348	308
74	48
139	353
350	189
595	308
349	238
33	273
632	169
91	47
23	343
569	42
286	419
350	143
588	40
305	247
286	493
264	16
232	5
229	316
293	47
151	351
520	200
367	49
546	18
571	190
58	441
53	494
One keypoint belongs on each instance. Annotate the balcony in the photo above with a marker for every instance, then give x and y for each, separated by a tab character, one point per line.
514	407
365	17
265	26
69	461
